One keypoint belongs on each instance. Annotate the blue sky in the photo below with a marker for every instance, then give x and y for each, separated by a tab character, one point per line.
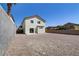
53	13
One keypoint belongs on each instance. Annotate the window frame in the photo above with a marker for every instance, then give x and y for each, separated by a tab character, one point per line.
39	22
32	21
31	30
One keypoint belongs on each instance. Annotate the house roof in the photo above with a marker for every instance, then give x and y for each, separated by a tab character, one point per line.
34	17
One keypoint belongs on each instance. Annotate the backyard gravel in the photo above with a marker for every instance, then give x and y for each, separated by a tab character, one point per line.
48	44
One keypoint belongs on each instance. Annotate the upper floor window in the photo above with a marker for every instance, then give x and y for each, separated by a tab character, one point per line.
32	21
38	22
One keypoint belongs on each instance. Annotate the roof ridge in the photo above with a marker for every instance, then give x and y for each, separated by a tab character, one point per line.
34	16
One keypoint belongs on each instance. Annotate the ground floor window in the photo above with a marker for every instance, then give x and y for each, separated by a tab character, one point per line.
31	30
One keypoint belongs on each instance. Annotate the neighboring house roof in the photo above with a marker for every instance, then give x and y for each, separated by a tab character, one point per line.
34	17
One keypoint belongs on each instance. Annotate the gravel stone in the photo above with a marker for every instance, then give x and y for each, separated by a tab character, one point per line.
48	44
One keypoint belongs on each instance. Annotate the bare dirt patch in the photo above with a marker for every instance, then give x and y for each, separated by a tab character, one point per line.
47	44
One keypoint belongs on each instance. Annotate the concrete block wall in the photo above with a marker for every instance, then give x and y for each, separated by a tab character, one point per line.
7	30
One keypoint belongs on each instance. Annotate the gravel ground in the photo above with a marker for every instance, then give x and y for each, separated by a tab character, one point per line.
48	44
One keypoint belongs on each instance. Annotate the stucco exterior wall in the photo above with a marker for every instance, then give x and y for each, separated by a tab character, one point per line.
41	30
7	31
29	25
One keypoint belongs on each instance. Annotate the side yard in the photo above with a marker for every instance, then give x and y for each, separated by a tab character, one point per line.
44	44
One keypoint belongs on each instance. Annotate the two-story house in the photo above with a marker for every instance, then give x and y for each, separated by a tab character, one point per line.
33	25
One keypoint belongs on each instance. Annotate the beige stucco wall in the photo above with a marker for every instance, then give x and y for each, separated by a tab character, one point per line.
7	31
29	25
